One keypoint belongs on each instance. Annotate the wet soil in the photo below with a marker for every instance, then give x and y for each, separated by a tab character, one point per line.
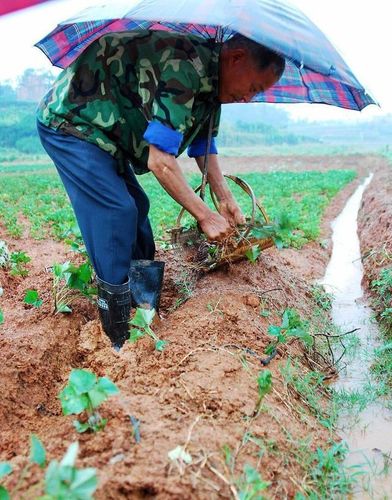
196	393
375	228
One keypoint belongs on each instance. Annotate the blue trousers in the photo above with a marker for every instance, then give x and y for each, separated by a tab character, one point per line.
111	209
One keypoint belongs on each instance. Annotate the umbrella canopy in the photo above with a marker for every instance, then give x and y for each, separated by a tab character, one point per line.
315	72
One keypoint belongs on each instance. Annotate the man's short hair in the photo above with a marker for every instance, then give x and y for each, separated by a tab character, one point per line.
261	55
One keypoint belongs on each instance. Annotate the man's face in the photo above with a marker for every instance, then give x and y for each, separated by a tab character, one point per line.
239	80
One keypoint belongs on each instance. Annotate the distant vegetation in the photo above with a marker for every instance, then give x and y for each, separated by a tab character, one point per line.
245	129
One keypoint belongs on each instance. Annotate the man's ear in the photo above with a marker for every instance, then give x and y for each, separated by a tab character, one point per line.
237	56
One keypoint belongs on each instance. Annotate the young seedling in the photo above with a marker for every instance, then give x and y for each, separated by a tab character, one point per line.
264	386
5	469
73	237
64	481
32	298
85	393
251	484
37	456
69	283
322	298
253	253
18	261
292	326
142	320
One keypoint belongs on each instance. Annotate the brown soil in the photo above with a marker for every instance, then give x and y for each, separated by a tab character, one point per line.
196	393
375	227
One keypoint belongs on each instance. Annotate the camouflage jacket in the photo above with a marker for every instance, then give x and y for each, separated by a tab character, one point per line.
128	89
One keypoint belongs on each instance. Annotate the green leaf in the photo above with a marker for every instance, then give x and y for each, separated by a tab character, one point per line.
53	480
71	402
82	380
278	243
143	317
70	456
253	253
286	319
160	345
84	484
107	386
270	349
81	427
264	383
5	469
274	330
97	396
31	297
135	335
85	273
37	451
1	317
4	495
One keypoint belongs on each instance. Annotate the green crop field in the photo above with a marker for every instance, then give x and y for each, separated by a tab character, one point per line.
297	198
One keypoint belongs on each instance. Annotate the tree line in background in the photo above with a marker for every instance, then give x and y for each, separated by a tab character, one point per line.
241	125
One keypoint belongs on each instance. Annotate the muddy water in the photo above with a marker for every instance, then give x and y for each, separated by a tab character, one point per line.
369	436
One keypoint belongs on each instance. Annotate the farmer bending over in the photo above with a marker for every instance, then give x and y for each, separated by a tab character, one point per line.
131	103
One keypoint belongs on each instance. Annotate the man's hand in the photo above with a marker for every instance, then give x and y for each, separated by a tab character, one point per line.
215	227
168	173
229	209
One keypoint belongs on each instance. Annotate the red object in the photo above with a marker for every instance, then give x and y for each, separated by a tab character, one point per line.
7	6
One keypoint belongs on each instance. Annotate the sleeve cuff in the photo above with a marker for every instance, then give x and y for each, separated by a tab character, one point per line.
199	146
164	138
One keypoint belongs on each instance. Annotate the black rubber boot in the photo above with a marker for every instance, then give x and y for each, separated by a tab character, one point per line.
146	278
114	306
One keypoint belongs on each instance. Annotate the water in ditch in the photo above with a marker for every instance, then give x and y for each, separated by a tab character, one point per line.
369	435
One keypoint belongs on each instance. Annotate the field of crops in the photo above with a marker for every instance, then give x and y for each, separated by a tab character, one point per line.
300	197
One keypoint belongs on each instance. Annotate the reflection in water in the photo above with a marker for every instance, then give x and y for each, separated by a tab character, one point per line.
370	439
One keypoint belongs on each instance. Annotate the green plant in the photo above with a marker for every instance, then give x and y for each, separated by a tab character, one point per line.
329	477
253	253
69	282
251	484
32	298
18	261
1	316
264	383
73	237
5	469
322	298
37	456
309	387
382	366
85	393
142	319
383	287
292	326
63	481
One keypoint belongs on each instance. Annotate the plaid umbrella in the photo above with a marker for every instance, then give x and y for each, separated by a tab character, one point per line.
7	6
315	72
